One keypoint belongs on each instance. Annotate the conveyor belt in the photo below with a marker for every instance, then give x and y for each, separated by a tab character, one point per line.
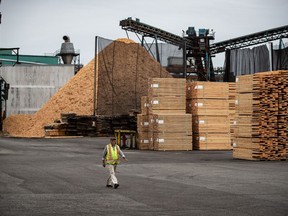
147	30
235	43
249	40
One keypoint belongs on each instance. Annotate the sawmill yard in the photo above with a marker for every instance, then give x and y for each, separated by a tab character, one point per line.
191	137
66	177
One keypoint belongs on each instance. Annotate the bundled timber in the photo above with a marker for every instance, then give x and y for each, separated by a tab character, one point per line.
172	132
71	124
203	106
261	116
166	87
144	105
142	123
167	104
208	90
172	123
143	140
163	123
211	141
212	105
210	124
232	98
172	141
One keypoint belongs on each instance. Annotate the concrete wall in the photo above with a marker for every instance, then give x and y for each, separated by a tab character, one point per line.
31	86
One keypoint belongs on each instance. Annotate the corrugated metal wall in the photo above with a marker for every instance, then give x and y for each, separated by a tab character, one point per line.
31	86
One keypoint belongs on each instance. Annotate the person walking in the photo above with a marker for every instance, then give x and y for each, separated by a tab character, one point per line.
110	159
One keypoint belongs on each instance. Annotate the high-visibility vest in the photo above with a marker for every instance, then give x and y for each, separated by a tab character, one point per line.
112	156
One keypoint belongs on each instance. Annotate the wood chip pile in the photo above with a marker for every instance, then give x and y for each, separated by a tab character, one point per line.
163	123
211	115
262	116
124	69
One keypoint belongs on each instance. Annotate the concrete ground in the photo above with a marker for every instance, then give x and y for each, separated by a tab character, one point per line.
66	177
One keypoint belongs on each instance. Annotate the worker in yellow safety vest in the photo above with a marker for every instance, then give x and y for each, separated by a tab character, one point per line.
110	159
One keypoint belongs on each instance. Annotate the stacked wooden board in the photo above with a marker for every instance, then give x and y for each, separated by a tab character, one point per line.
72	124
232	99
261	116
163	123
209	104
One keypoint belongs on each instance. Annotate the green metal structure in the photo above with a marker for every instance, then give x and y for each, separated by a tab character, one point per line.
10	56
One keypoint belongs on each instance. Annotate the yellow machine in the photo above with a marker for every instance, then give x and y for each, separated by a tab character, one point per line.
126	138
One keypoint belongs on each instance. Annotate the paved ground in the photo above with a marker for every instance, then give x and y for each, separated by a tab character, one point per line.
65	177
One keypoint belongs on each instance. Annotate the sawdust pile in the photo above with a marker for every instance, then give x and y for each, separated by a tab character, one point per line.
124	69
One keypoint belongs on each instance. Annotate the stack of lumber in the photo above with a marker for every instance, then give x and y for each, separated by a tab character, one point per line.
106	125
261	116
143	129
232	99
171	132
166	95
72	124
163	123
209	103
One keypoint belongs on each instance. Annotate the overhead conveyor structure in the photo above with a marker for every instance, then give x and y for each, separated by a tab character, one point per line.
250	39
198	47
150	31
195	47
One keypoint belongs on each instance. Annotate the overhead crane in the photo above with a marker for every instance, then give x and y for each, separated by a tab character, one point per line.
197	50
